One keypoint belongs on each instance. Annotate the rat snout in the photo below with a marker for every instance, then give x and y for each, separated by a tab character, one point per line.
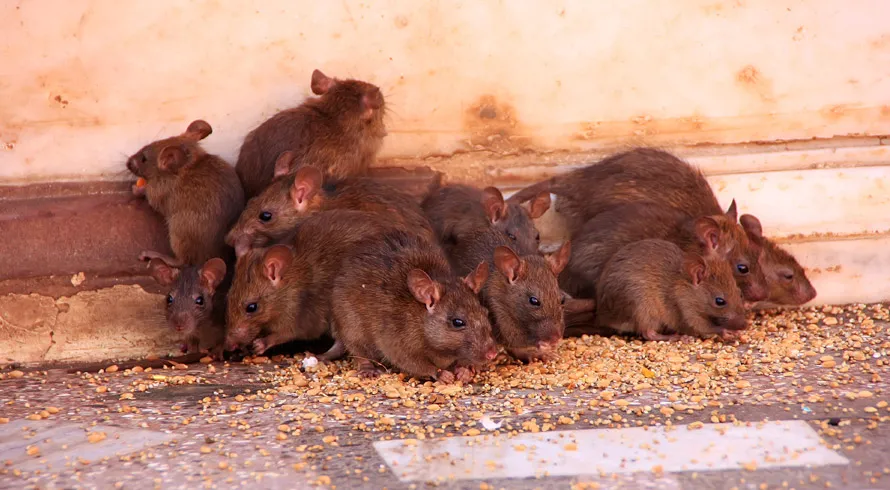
549	344
133	166
806	292
374	98
736	322
182	322
242	245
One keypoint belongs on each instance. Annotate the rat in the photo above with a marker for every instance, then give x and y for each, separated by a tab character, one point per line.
654	289
458	211
601	237
340	132
198	194
196	301
637	175
283	292
786	279
522	294
396	301
272	216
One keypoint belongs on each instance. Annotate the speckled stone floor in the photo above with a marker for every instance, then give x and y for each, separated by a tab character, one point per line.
279	424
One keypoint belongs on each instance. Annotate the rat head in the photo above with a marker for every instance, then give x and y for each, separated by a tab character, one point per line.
354	101
713	302
516	220
258	296
169	155
525	300
721	236
455	324
275	212
788	283
190	300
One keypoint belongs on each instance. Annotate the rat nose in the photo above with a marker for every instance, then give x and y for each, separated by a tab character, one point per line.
736	322
807	293
491	353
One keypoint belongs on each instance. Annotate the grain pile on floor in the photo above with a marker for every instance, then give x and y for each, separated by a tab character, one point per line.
273	420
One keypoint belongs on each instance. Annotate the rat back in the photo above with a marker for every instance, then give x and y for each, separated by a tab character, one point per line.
634	292
206	202
273	216
639	175
340	133
456	212
378	317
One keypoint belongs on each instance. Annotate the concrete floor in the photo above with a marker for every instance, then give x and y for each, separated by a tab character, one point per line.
271	423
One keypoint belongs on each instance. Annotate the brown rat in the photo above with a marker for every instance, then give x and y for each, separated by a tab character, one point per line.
198	194
283	293
396	301
650	287
601	237
786	279
339	132
196	301
457	211
638	175
523	297
271	216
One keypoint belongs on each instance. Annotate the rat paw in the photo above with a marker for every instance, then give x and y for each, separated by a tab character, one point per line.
464	374
259	346
184	347
445	376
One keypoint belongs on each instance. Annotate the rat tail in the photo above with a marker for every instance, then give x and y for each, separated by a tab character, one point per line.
530	192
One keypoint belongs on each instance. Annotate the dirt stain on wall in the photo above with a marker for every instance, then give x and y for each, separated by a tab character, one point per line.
492	125
753	81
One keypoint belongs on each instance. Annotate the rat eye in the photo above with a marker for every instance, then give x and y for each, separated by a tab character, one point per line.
143	157
511	236
169	299
719	301
534	301
788	276
743	269
458	323
265	216
251	308
199	301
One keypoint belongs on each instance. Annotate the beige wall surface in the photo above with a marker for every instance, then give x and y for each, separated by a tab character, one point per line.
85	83
504	91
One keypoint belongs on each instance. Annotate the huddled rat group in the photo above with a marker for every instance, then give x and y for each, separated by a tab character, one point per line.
296	242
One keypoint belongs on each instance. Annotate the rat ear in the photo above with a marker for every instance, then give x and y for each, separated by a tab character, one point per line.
696	268
284	163
198	130
751	225
493	202
276	259
477	278
321	83
708	232
538	205
559	259
163	273
510	264
307	181
171	158
423	288
731	212
212	273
